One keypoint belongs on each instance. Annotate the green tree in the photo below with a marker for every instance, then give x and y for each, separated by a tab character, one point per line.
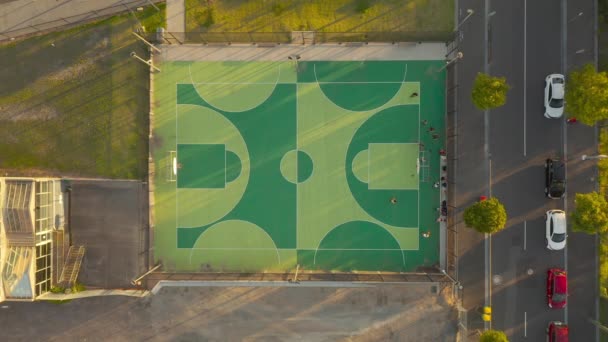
489	92
487	216
590	213
493	336
587	95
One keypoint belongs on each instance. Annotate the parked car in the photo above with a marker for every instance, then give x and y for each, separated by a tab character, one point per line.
557	332
555	229
555	178
557	288
554	96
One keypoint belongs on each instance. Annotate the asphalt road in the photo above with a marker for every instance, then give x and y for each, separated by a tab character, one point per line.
525	45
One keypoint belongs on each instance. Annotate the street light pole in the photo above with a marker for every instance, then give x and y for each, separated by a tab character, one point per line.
599	156
470	13
459	55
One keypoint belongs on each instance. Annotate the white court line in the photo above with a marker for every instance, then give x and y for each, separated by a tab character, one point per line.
177	174
320	82
368	166
419	140
297	165
301	249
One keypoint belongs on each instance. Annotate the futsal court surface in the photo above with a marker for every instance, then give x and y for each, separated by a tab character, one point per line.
330	165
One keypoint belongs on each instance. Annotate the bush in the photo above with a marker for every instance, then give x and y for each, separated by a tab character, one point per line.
78	287
362	5
278	8
493	336
57	289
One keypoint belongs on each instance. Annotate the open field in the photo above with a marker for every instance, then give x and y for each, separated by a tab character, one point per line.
75	103
319	15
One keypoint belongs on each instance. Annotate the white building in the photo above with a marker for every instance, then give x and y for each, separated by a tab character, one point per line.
32	240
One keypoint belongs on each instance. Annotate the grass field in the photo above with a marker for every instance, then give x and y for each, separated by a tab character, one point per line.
74	102
319	15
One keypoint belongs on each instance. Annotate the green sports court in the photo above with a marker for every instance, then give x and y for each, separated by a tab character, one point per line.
330	165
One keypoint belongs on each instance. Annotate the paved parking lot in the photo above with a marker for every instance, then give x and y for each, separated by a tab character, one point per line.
108	218
410	312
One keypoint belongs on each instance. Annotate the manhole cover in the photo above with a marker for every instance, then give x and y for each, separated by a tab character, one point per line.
497	279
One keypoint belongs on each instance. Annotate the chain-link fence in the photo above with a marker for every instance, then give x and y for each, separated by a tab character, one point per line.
298	37
302	276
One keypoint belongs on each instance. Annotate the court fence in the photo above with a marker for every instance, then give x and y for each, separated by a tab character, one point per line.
297	37
432	276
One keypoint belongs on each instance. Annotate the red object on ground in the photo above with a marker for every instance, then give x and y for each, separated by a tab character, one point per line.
482	198
557	288
571	120
557	332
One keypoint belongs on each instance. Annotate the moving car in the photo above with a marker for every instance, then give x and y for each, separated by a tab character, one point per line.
555	178
554	96
555	230
557	332
557	288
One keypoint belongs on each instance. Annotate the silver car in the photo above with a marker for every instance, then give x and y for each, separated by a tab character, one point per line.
554	96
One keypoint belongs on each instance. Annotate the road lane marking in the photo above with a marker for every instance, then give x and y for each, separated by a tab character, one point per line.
525	79
525	234
525	324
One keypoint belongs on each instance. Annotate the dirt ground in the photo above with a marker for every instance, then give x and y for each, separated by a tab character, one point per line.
413	312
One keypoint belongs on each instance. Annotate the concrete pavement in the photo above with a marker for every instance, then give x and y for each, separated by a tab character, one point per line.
470	172
176	16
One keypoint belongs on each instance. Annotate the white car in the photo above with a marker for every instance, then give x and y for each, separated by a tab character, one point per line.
554	96
555	233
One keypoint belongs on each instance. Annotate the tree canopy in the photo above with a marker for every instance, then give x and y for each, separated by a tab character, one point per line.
590	214
489	92
487	216
493	336
587	95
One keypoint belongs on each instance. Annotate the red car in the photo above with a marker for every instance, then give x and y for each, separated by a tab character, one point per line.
557	288
557	332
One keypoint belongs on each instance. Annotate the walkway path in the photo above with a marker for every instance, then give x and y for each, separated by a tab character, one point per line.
24	17
176	16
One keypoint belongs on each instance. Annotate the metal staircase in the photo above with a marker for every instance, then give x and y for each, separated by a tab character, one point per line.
69	274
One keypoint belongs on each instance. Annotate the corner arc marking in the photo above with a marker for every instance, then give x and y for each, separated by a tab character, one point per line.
230	111
253	224
314	260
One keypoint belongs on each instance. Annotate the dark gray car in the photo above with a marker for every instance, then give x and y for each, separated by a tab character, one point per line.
555	178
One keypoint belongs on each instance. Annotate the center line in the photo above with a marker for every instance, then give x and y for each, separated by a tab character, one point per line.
525	324
525	234
525	68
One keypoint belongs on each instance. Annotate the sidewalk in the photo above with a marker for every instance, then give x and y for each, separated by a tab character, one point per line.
176	16
93	293
24	17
